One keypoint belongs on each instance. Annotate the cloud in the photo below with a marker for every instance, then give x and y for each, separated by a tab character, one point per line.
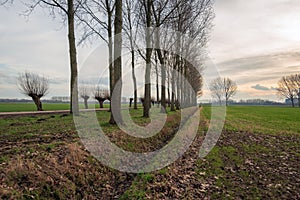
260	72
267	68
263	88
58	81
245	28
94	80
8	76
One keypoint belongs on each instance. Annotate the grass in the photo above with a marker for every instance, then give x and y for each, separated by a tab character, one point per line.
32	126
258	146
257	152
37	149
18	107
261	119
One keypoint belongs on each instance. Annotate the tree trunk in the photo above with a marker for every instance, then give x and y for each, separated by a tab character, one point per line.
147	98
37	102
134	80
110	51
157	85
178	89
169	95
74	108
293	103
101	104
116	98
163	88
181	82
174	72
85	103
163	73
173	89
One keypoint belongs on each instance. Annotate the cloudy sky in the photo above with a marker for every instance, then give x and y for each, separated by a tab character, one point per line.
253	42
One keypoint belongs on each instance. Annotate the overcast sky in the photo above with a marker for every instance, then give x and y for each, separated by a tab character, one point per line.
253	42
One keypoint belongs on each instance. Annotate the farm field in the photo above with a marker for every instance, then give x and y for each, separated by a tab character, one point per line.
261	119
257	157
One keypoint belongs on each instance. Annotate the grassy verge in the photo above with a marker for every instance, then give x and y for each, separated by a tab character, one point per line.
18	107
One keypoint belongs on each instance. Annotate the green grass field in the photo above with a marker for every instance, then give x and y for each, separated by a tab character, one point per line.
257	155
18	107
261	119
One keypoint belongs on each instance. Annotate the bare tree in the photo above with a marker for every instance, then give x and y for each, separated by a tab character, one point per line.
187	17
295	78
84	92
153	13
160	17
287	88
157	80
34	86
117	85
67	10
146	11
130	28
101	95
223	89
97	20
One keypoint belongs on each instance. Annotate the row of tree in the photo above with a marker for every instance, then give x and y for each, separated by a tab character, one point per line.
150	22
289	87
222	89
36	87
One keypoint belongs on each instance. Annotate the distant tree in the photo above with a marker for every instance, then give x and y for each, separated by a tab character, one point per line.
34	86
296	85
288	87
84	92
230	88
216	88
101	95
223	89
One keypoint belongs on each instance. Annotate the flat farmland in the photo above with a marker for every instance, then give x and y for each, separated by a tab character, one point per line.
256	157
